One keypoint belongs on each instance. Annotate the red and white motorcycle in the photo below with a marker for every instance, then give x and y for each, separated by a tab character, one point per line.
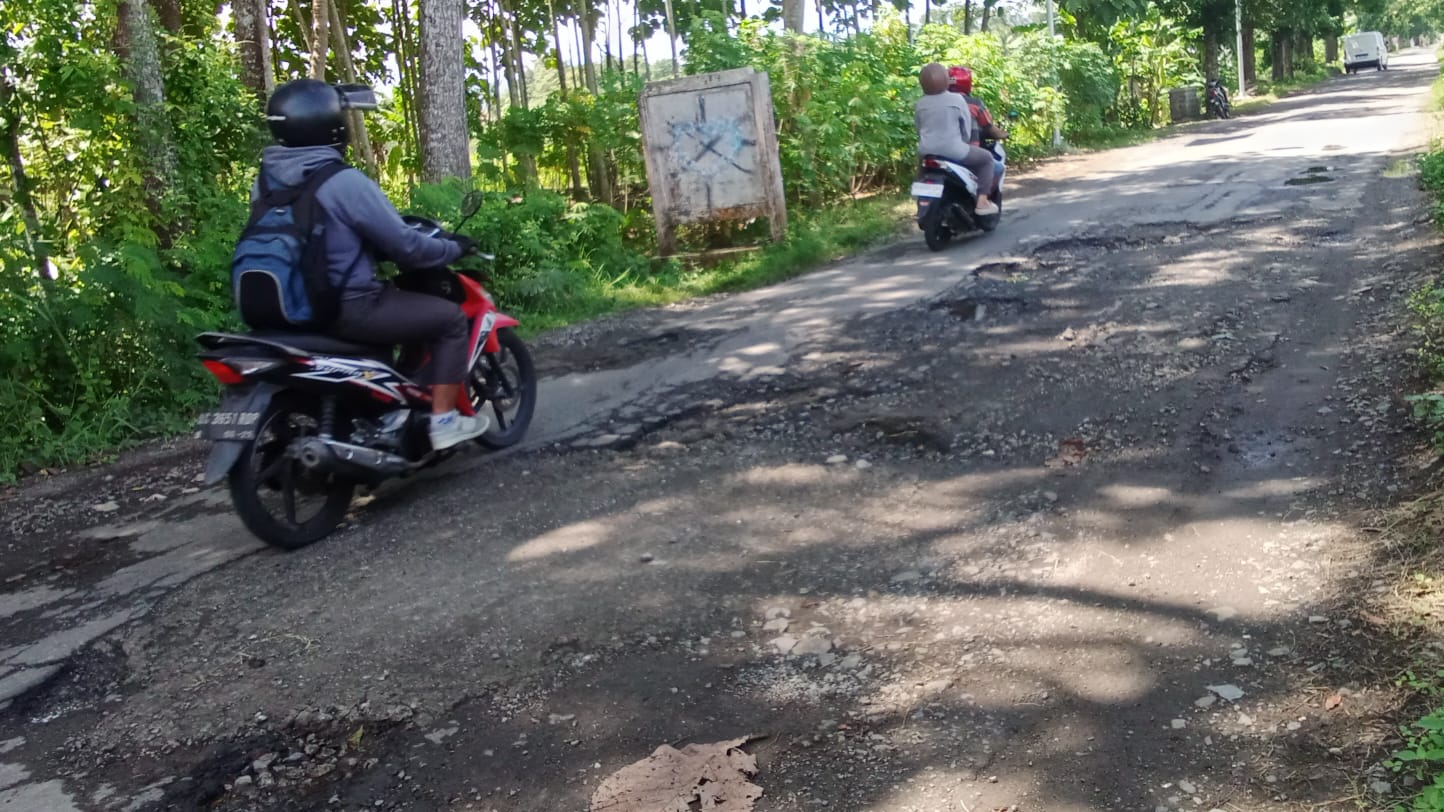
305	418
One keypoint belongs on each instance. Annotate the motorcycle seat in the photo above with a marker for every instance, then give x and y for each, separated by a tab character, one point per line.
320	344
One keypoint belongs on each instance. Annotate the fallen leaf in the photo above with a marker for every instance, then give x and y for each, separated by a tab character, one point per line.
1333	701
355	739
699	776
1071	451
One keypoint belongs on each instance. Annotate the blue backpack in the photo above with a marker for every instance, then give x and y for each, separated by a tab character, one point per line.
278	273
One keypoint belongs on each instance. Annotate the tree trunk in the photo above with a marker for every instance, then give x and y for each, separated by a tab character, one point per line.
821	23
360	138
444	149
1331	49
253	36
672	34
573	165
927	11
636	48
967	16
169	14
792	11
987	14
135	40
599	170
1210	51
10	138
1303	50
1278	41
496	79
1250	57
320	17
621	26
406	62
518	54
588	23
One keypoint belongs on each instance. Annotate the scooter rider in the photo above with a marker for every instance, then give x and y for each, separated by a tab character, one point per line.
988	133
308	119
945	126
960	81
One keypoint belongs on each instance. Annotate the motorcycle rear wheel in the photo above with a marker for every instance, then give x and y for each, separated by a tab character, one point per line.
266	472
505	381
935	231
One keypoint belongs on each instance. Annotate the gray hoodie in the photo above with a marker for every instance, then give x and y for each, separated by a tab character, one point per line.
361	224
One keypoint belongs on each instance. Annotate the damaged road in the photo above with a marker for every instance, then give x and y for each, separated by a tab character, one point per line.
1057	519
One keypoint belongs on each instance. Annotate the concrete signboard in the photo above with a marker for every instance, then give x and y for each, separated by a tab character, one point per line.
711	149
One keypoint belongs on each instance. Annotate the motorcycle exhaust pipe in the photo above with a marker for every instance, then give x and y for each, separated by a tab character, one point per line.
356	461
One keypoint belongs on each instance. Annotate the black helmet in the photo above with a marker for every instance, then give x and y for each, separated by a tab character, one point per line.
308	113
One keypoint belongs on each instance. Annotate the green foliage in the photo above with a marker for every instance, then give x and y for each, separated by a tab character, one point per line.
1428	308
1422	755
111	259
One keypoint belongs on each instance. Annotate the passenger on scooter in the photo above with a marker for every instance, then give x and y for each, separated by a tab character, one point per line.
945	125
308	119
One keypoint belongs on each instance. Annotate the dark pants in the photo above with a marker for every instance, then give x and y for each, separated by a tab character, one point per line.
392	316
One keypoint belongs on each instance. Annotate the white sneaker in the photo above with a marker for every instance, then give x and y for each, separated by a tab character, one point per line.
452	429
985	208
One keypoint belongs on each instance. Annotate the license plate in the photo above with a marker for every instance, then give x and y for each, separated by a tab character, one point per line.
927	190
227	425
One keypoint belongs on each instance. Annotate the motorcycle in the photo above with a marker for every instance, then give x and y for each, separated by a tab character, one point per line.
1216	97
947	197
305	418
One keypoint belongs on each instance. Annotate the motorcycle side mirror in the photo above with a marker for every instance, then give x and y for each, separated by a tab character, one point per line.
357	97
470	204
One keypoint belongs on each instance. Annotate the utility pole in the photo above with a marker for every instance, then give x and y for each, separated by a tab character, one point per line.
1052	32
1238	45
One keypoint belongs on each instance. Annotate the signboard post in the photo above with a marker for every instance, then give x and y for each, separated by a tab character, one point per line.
711	149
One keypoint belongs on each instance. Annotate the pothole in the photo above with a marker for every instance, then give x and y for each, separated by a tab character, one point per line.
979	308
1311	175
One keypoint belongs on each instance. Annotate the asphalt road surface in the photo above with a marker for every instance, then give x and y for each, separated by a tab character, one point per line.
1061	518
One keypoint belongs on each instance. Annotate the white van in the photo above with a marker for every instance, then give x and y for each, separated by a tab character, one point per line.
1365	50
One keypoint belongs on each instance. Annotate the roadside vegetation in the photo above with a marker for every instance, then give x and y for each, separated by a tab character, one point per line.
1407	606
131	133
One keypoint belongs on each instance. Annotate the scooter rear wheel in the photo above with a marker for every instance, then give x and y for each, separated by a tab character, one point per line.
935	231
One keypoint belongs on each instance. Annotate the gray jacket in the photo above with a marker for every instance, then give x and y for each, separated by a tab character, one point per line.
361	224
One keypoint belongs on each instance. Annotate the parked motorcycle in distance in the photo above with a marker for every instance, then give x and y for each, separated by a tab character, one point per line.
1216	98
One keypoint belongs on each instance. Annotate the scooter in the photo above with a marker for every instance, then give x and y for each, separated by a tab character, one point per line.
947	197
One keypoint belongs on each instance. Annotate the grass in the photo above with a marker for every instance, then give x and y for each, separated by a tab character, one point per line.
1412	560
813	239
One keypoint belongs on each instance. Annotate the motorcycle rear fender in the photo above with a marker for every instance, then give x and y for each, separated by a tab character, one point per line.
225	453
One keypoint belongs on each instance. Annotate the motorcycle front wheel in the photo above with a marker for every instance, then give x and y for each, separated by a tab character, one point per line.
278	499
503	387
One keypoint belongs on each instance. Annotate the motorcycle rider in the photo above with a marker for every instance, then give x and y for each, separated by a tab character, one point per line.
945	125
308	119
960	81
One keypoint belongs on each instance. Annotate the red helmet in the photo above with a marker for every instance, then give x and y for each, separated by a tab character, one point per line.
960	79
